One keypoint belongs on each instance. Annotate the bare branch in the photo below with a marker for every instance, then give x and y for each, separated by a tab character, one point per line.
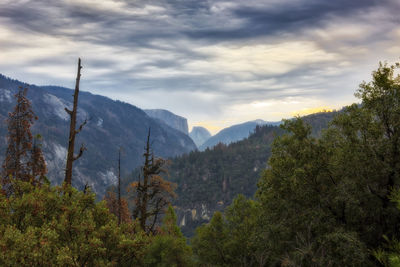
68	111
81	126
83	148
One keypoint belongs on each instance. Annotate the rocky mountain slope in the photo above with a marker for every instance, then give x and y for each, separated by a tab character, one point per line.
111	124
199	135
175	121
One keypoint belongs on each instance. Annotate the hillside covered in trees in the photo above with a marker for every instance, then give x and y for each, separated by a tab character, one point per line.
208	181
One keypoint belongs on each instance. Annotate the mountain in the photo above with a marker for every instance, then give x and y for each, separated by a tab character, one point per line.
209	180
199	135
111	124
177	122
234	133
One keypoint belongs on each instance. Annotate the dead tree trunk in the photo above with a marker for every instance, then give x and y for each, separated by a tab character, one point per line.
153	194
119	187
73	131
146	178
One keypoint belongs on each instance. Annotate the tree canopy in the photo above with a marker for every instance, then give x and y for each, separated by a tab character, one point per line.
323	201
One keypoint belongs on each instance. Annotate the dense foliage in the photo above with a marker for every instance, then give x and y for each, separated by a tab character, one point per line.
60	226
322	201
56	226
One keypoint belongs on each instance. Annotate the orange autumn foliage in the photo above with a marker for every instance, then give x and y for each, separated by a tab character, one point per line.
151	193
112	205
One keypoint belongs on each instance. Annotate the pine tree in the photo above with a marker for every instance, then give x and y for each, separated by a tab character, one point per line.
169	247
23	160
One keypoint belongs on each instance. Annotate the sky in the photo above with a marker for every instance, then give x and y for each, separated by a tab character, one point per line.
215	62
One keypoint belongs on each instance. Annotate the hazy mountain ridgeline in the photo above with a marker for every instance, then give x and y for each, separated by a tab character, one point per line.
199	135
234	133
209	180
111	124
175	121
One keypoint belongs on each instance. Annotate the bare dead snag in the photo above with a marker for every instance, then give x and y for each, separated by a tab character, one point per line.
152	194
119	186
73	131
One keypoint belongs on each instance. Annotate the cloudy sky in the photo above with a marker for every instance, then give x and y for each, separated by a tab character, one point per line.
214	62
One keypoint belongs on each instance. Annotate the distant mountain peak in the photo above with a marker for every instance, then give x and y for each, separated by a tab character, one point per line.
172	120
199	135
259	121
235	133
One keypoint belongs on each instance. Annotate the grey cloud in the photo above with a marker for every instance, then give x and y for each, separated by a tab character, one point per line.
265	19
189	19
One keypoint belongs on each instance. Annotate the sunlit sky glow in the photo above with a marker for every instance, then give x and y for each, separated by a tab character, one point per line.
214	62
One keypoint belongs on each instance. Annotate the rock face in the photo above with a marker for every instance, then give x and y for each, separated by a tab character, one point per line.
172	120
234	133
199	135
111	124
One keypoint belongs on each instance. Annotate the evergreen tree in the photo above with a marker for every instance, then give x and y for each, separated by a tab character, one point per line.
23	161
231	239
168	247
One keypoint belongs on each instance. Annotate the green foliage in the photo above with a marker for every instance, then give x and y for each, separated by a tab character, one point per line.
229	239
323	201
329	198
60	226
209	242
169	248
389	254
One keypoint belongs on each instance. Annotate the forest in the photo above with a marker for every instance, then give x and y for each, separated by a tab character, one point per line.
326	199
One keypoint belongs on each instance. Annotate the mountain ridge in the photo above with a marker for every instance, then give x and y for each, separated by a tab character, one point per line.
234	133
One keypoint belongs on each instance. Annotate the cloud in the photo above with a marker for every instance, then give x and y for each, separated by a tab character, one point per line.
264	18
206	60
